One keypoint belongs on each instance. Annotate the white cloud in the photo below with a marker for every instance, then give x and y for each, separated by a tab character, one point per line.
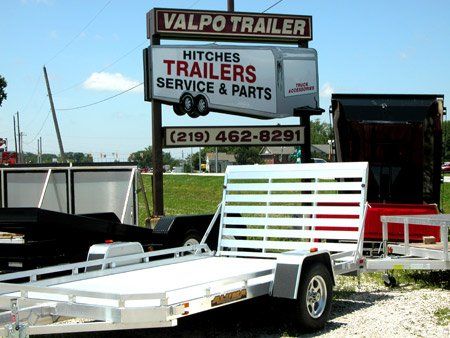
326	90
114	82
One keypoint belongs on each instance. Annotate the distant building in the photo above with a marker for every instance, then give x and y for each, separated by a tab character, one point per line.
274	155
223	160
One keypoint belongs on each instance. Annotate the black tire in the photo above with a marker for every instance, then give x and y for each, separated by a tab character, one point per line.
177	110
311	310
191	237
391	282
201	105
194	114
187	103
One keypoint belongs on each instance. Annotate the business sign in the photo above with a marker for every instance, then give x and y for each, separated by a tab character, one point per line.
263	82
242	79
233	136
228	26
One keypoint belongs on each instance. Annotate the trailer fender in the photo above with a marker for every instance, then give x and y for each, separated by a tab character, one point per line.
291	266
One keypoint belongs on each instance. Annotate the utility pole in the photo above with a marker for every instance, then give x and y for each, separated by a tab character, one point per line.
19	136
40	149
199	159
55	121
15	134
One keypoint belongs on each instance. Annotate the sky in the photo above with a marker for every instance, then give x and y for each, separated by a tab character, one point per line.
93	49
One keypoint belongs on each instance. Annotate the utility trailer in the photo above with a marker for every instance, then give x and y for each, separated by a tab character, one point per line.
400	135
53	214
267	245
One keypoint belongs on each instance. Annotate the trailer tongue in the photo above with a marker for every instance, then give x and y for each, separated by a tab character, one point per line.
267	246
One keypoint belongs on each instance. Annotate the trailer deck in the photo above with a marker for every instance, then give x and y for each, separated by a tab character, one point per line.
266	242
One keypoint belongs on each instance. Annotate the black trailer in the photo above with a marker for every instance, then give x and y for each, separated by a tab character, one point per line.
401	138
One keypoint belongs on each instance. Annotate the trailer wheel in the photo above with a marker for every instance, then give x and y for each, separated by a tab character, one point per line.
192	237
314	298
187	103
177	110
201	103
389	281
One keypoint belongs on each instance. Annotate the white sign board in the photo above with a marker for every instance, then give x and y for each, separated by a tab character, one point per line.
233	136
262	82
244	76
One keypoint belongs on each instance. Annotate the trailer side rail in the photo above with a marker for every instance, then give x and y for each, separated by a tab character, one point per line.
405	255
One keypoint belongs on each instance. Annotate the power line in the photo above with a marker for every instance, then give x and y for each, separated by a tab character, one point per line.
106	99
276	3
76	36
103	69
39	132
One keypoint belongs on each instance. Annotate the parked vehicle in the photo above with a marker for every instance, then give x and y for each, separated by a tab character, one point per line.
401	138
446	167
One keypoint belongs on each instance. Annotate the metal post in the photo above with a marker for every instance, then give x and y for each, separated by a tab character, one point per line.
217	161
199	159
306	147
15	135
127	197
406	232
19	154
55	121
230	5
157	153
44	189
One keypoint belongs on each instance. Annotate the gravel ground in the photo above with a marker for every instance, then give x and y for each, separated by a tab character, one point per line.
365	310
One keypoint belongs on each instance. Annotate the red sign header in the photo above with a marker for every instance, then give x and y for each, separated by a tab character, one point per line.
227	26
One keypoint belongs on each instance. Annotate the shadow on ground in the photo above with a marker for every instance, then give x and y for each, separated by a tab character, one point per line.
264	317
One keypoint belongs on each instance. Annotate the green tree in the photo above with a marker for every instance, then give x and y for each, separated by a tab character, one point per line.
77	157
143	158
3	85
446	140
248	155
321	132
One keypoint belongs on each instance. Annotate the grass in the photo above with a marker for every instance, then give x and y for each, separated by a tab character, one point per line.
443	316
445	197
185	194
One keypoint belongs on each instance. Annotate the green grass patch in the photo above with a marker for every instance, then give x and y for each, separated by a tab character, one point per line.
185	195
443	316
445	195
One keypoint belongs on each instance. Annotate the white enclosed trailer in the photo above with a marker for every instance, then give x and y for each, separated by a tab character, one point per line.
261	82
268	245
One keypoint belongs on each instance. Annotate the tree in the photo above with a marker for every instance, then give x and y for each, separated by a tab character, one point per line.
248	155
3	85
143	158
321	132
77	157
446	140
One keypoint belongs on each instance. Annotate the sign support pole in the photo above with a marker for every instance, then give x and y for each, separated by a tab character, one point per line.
157	153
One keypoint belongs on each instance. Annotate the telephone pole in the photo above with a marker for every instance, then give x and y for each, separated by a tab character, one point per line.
19	136
55	121
15	134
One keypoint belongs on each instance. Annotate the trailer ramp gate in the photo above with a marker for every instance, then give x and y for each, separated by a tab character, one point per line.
268	216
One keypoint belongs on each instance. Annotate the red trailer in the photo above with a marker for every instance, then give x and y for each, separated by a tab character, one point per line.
401	138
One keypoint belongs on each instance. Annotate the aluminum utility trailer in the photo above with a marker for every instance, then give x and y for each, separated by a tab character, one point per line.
412	256
268	245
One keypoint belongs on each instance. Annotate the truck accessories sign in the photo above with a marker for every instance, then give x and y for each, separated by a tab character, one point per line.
190	24
226	136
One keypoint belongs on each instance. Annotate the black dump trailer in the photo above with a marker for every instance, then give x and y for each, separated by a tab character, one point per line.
401	138
48	237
